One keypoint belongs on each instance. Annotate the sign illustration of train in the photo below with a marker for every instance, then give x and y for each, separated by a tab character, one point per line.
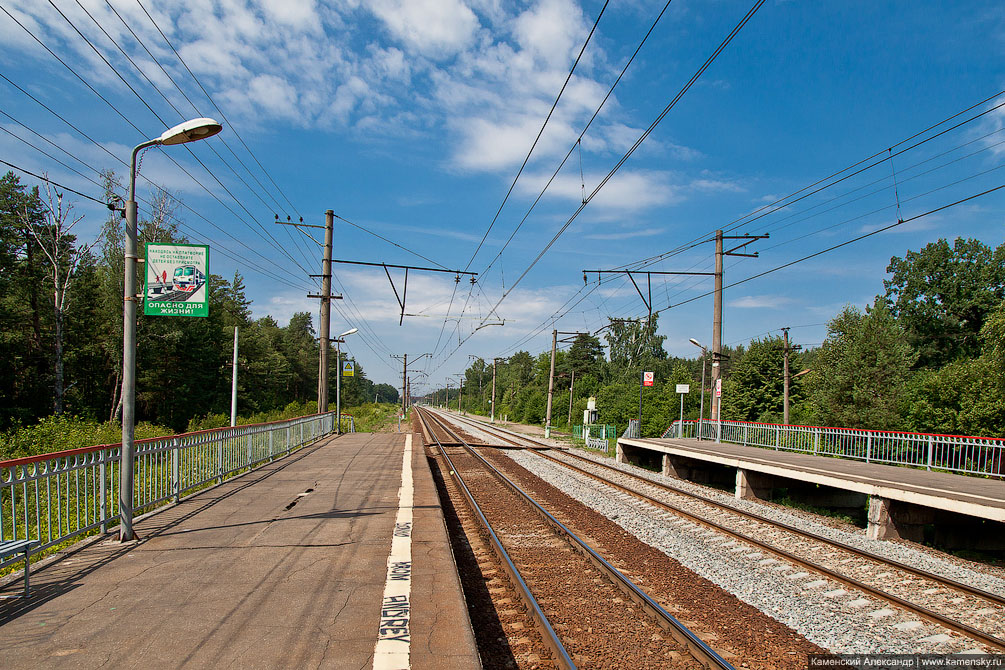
188	278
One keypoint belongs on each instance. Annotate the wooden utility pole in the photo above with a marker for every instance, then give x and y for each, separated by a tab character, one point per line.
786	349
551	384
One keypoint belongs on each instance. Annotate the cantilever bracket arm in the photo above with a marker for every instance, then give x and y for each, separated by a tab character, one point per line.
404	293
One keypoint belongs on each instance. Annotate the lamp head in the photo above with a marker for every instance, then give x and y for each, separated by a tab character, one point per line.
190	131
349	332
695	342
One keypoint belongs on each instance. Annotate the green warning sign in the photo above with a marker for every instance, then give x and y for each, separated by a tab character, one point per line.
348	369
176	280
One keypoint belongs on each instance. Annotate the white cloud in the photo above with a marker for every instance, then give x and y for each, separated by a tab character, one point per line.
627	190
628	234
761	302
434	28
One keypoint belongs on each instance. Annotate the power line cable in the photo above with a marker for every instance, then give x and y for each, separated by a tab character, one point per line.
297	241
899	222
635	146
278	246
124	164
213	102
54	183
539	133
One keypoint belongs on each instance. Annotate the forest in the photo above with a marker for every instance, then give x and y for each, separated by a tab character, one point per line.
928	355
61	330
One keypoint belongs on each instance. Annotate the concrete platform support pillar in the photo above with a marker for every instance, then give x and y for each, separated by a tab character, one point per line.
670	467
752	485
619	455
890	519
881	526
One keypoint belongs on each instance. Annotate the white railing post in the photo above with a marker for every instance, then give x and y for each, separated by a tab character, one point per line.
928	460
778	436
176	469
868	448
816	440
103	502
249	449
219	461
272	449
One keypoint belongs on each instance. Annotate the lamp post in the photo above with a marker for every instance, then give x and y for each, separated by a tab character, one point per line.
189	131
338	379
701	412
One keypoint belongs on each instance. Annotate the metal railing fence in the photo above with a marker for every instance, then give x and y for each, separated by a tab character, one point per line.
347	423
54	498
951	453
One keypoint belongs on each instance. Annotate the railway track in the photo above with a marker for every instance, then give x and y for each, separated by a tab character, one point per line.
577	599
964	608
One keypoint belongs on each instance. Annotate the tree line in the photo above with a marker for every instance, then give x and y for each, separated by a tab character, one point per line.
928	355
61	328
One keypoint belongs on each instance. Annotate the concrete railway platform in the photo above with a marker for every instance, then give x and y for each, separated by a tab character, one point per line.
963	512
334	557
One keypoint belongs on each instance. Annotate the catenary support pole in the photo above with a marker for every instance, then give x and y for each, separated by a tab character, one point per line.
717	325
551	384
326	310
572	386
492	406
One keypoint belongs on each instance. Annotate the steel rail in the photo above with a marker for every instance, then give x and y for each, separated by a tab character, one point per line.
863	553
548	634
920	610
694	645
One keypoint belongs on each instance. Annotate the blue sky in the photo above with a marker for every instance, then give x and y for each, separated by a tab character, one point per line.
411	118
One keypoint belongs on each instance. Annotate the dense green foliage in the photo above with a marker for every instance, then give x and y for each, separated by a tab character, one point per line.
928	356
183	364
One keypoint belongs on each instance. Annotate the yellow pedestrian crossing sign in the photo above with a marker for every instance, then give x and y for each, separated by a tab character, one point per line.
348	369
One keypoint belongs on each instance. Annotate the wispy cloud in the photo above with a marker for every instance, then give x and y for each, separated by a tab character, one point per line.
761	302
626	235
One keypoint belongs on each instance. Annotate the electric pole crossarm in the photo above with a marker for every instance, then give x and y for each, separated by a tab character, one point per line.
404	267
747	240
647	303
654	272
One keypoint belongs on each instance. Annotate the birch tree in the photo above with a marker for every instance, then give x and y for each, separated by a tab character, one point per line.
54	237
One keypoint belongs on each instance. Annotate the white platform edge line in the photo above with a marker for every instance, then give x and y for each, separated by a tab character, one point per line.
391	651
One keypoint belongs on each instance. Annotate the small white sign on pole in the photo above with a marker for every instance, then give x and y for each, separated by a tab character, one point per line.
683	388
718	388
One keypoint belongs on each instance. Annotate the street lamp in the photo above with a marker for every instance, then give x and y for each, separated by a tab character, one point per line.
701	414
338	379
189	131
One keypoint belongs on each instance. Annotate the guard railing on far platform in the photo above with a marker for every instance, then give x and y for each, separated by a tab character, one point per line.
951	453
58	497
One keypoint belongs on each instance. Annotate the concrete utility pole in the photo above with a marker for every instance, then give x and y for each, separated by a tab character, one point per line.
492	405
233	385
551	384
786	349
404	384
717	306
326	310
572	385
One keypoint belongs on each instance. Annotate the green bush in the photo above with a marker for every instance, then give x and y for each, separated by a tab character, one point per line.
59	433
